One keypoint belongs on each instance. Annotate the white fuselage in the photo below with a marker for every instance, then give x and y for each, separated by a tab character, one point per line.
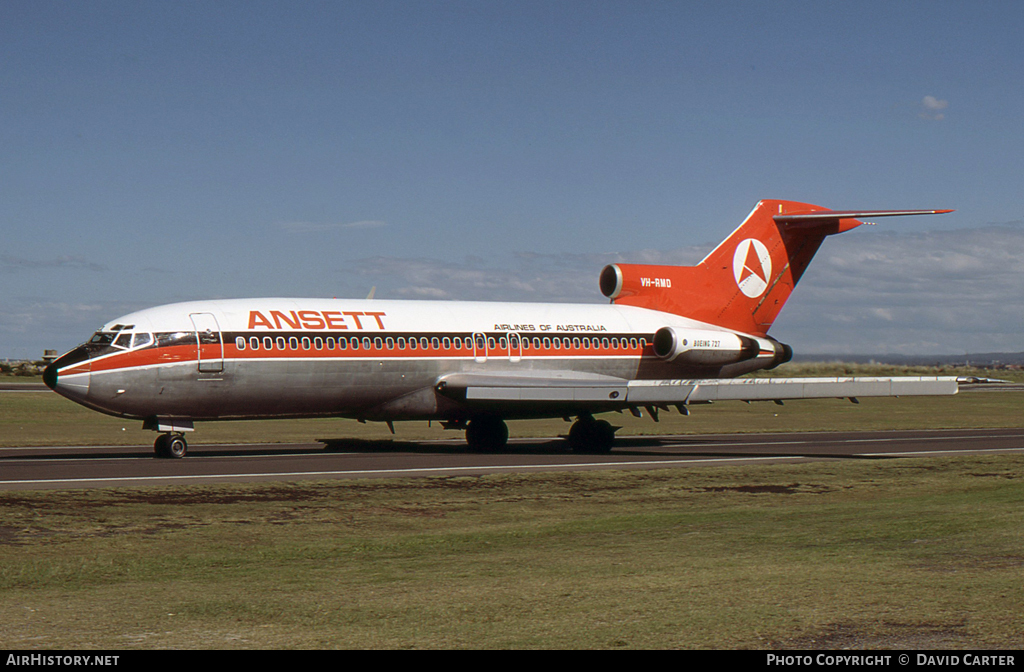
368	359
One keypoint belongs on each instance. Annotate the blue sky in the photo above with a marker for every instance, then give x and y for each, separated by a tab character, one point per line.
157	152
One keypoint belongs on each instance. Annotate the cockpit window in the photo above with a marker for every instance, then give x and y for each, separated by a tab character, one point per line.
101	338
123	341
142	340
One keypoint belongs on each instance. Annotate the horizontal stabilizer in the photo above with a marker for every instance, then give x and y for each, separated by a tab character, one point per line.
811	217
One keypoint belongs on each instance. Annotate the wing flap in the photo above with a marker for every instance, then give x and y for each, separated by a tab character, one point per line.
554	386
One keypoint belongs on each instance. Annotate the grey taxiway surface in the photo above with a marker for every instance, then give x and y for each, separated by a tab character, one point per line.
75	467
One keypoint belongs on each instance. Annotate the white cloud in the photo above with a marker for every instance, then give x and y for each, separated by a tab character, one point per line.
934	292
312	227
869	291
933	108
11	263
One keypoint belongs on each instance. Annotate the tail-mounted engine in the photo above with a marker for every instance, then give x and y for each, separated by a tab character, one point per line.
704	347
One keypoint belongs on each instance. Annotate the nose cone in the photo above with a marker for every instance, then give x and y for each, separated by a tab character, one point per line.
50	376
68	375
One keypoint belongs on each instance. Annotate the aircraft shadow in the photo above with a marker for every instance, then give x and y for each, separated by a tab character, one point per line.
632	446
625	446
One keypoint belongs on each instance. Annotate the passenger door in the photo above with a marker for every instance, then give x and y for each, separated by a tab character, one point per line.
210	352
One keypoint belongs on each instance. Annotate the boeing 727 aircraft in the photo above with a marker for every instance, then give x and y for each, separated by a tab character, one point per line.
671	336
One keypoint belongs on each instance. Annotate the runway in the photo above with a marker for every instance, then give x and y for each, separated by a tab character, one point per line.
77	467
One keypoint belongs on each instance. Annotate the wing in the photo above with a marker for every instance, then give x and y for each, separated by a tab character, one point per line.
558	393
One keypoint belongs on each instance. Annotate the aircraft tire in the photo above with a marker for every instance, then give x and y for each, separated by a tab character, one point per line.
176	447
591	436
486	435
160	445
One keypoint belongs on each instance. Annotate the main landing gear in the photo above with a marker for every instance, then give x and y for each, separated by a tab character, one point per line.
170	446
488	434
588	435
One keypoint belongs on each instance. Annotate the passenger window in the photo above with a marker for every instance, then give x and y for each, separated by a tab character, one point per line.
240	343
254	343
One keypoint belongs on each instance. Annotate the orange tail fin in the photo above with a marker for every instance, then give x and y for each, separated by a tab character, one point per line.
744	282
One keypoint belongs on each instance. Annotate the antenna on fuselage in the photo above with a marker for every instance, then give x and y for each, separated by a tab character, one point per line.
372	290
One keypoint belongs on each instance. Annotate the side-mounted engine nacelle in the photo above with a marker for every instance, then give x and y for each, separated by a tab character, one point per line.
783	353
703	347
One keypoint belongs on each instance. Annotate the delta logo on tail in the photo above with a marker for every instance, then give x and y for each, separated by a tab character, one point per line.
752	266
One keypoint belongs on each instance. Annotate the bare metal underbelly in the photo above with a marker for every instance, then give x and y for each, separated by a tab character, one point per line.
367	388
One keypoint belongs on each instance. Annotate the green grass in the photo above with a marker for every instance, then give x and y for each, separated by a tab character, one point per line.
46	419
887	553
923	553
813	369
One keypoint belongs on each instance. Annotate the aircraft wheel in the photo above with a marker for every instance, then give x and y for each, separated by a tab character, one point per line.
160	445
591	436
485	435
176	447
170	446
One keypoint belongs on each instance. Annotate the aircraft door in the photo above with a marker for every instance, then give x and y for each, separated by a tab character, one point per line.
480	347
210	352
515	348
